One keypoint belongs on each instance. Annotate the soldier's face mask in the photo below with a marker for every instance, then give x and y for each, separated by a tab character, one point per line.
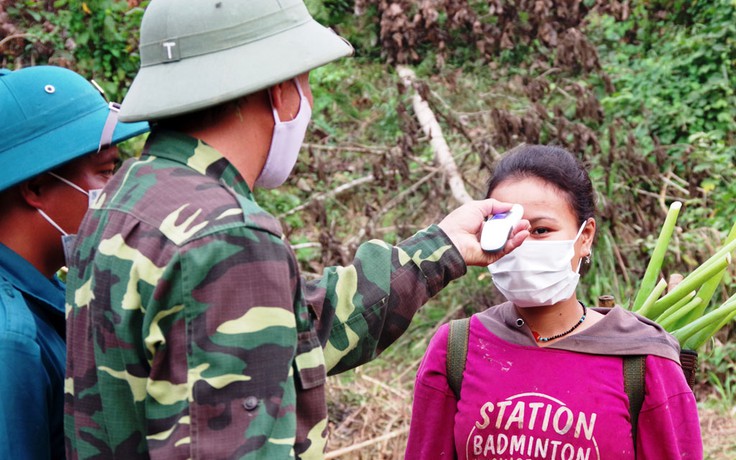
285	143
67	240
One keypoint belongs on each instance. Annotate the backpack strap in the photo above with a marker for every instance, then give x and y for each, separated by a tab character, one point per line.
457	352
689	364
634	370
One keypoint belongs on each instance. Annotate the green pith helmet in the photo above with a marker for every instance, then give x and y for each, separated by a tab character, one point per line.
49	116
200	53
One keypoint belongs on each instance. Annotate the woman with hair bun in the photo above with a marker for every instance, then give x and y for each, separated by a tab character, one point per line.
543	374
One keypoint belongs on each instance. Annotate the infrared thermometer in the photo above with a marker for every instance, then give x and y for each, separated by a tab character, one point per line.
497	228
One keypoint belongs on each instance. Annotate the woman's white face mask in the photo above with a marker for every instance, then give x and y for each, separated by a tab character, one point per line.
538	273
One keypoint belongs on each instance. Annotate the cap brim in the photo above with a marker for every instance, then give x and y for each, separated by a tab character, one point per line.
66	143
169	89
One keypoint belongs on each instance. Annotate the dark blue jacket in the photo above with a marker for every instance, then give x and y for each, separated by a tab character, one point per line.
32	361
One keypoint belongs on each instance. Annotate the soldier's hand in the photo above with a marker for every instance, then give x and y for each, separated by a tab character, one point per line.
463	226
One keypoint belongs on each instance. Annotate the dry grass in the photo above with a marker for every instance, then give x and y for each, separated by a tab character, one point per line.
369	416
719	433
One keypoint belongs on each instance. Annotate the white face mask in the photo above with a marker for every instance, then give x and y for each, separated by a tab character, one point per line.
67	240
537	273
285	144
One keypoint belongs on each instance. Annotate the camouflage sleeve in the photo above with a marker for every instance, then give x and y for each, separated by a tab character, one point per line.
366	306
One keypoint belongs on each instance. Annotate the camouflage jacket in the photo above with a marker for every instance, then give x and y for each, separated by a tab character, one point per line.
190	331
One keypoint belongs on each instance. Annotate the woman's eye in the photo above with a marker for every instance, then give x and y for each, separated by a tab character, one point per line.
540	231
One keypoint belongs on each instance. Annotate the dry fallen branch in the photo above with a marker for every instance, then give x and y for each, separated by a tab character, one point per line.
14	36
370	442
456	120
296	247
346	148
671	179
398	198
431	128
348	420
332	193
396	391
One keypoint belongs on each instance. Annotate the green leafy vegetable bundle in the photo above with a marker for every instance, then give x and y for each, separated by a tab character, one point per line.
684	311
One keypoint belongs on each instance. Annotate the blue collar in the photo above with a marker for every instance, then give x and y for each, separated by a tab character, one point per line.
25	278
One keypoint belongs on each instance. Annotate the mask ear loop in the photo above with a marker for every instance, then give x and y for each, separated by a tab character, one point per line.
580	232
302	97
276	117
109	128
68	182
302	100
51	221
299	88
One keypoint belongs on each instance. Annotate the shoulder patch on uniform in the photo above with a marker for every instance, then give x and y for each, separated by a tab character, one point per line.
15	316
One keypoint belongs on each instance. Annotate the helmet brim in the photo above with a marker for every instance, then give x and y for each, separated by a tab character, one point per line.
58	146
175	88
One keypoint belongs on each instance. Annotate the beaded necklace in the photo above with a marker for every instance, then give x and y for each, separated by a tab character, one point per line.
561	334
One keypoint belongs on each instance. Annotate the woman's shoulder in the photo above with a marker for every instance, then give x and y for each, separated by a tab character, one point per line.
665	381
435	357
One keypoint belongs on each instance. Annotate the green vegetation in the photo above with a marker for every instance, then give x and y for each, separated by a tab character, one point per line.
683	311
642	91
97	38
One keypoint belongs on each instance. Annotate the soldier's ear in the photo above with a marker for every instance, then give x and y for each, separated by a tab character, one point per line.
34	191
285	99
277	95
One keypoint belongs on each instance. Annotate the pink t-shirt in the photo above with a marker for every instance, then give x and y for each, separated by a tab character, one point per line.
525	402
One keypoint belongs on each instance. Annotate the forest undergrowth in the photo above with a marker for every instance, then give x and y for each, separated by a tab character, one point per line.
642	91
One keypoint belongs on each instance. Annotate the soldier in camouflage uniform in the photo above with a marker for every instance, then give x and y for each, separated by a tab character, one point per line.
56	136
191	332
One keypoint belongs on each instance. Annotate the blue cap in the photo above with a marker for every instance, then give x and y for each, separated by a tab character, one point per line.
50	116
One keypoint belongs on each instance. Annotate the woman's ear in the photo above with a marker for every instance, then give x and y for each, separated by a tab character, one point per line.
588	235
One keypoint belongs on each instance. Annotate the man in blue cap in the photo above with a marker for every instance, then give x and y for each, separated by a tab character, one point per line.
57	137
